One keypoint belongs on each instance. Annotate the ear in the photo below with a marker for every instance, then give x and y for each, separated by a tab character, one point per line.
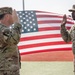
6	17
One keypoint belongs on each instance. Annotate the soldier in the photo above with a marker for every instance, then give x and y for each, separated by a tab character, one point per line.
69	35
10	32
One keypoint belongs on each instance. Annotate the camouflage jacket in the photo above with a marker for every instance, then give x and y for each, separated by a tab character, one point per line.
9	53
69	35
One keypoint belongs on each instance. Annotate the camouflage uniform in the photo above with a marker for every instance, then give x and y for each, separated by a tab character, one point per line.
69	35
9	53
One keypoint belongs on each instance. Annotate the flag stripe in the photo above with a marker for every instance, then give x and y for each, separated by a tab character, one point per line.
40	41
40	37
50	28
41	32
52	17
46	50
52	21
52	25
42	44
55	15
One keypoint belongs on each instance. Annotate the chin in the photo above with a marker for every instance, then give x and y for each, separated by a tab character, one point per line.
73	18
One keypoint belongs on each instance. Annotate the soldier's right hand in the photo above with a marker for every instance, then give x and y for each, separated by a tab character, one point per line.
15	17
64	20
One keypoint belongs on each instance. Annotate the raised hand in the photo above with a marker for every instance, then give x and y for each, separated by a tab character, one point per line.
64	20
15	17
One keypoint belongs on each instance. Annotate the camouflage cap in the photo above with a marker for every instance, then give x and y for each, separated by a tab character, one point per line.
73	8
5	10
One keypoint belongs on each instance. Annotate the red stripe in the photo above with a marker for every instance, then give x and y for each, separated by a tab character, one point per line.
47	50
46	12
40	37
48	21
49	16
42	44
50	28
53	21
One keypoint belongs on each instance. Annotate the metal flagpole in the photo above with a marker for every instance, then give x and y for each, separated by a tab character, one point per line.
23	5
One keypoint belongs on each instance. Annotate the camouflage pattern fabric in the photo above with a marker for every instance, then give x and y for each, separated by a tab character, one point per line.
9	53
5	10
69	35
2	72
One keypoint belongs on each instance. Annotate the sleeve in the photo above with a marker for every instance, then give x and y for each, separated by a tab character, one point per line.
65	34
19	59
12	34
2	37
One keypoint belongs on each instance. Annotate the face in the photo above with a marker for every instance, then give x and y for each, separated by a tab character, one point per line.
10	19
73	15
7	20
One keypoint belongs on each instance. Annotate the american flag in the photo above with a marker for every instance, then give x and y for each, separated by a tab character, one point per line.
41	32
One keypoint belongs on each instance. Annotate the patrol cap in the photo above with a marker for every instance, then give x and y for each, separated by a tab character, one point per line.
73	8
5	10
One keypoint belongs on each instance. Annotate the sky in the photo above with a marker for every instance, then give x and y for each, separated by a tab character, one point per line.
56	6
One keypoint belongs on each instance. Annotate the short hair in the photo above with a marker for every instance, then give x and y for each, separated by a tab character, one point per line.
2	16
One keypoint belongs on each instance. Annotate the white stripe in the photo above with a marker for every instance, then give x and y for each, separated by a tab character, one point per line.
56	14
45	47
50	18
52	25
41	13
40	41
40	33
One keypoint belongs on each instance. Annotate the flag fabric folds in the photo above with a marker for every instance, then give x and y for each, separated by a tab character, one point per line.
41	32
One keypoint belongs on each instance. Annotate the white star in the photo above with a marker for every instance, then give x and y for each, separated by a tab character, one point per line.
31	26
33	19
28	29
20	16
29	17
22	25
27	20
22	30
24	22
31	11
32	15
34	29
21	20
30	21
26	15
28	25
34	24
25	27
25	11
23	14
23	17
